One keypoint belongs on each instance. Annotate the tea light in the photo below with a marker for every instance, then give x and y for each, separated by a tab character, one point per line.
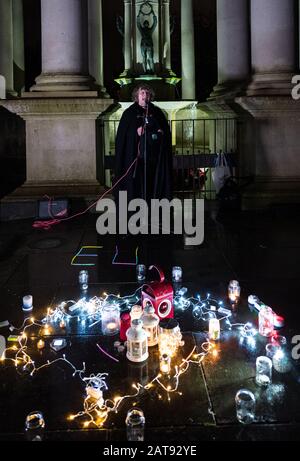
214	329
165	364
40	344
62	324
27	303
110	319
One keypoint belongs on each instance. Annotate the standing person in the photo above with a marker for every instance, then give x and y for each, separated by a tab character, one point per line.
144	134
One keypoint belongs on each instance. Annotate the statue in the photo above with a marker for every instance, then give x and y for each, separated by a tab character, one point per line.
147	41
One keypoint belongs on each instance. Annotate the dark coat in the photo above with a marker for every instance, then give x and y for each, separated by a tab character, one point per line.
158	153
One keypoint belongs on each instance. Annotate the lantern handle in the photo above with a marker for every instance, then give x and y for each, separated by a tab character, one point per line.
160	272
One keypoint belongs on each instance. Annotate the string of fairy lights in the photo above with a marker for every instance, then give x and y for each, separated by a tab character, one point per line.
96	408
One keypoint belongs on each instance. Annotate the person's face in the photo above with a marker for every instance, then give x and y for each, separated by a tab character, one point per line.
143	97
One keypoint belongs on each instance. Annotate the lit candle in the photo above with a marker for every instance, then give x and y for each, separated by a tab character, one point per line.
234	291
40	344
165	364
214	329
62	323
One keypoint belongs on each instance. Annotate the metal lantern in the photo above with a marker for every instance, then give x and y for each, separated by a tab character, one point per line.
137	343
150	324
159	294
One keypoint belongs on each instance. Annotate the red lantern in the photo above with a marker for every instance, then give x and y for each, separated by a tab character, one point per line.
160	295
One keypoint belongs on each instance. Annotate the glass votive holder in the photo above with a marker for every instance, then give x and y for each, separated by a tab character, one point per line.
165	364
83	280
245	406
279	341
234	291
266	321
27	303
141	272
271	350
34	426
214	329
263	371
110	320
177	274
135	425
282	362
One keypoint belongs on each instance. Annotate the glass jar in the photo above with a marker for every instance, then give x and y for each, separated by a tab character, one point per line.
34	426
177	274
234	291
266	321
110	319
137	342
245	406
83	280
169	337
165	364
141	272
150	324
135	424
214	329
263	371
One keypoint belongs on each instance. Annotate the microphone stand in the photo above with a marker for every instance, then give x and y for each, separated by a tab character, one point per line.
146	121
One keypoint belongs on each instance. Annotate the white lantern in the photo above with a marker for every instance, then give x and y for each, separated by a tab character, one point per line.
137	342
150	324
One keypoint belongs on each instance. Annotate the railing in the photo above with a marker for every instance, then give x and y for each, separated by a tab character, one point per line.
195	144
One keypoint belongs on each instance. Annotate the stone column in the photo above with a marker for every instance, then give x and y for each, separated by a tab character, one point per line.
95	27
271	149
64	47
166	35
18	43
6	45
233	46
187	50
127	37
273	46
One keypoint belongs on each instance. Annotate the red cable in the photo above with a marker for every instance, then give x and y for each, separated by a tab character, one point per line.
46	225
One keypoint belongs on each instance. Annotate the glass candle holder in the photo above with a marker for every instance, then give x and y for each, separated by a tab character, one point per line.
110	320
263	371
214	329
135	425
245	406
266	321
83	280
141	272
281	362
234	291
165	364
34	426
27	303
177	274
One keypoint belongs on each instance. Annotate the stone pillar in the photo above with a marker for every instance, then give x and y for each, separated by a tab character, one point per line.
127	37
6	44
233	47
273	145
187	50
64	47
18	44
166	35
273	46
95	27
